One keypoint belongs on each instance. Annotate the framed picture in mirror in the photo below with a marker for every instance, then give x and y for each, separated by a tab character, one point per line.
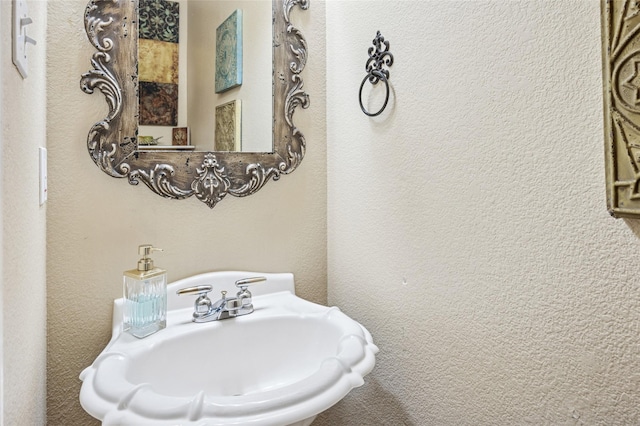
229	53
228	135
180	136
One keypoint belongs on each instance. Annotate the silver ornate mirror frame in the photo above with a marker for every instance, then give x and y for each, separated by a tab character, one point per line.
111	26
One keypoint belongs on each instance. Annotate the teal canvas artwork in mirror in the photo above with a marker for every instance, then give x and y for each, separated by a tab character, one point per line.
229	53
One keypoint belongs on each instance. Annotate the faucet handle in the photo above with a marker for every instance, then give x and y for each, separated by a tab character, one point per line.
244	295
200	289
245	282
202	304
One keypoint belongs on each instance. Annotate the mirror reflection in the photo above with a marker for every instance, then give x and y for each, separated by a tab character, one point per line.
205	75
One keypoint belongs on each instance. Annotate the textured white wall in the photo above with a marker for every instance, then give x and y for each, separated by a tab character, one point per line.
23	112
467	225
96	222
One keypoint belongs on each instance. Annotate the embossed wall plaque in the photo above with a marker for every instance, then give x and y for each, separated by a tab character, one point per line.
621	78
228	134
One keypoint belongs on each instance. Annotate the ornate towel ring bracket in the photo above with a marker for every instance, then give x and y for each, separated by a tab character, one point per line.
379	56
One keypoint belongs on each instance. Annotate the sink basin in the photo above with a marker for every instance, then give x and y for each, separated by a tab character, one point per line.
281	365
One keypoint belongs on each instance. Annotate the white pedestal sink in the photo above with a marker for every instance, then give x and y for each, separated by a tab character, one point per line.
281	365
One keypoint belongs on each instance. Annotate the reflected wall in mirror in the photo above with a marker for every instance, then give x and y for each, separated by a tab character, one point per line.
184	47
177	171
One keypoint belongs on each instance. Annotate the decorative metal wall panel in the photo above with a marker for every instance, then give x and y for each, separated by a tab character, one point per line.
621	77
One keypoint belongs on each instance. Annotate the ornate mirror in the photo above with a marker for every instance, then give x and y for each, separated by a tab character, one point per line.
181	169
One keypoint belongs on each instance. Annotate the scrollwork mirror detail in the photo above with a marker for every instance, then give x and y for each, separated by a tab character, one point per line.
111	26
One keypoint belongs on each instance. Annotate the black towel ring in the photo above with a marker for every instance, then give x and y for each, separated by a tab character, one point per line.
374	78
379	55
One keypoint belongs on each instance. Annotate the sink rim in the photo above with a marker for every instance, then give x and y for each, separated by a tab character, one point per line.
333	378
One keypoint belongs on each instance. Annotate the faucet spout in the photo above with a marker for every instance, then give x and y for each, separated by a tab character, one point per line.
216	311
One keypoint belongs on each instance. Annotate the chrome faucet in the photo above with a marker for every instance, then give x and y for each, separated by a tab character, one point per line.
225	307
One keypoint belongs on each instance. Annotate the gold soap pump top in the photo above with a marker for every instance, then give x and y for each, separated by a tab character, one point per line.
145	268
146	263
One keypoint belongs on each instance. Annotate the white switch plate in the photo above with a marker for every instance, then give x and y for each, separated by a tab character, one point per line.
43	175
20	39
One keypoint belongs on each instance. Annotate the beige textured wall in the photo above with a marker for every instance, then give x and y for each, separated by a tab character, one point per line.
95	222
23	112
471	235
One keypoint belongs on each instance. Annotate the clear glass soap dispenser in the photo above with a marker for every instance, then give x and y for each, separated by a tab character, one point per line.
145	296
